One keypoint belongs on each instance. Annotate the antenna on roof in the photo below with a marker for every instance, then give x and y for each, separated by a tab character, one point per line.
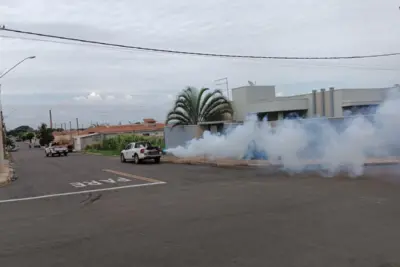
251	83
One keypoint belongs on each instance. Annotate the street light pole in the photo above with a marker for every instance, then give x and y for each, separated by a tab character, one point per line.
1	117
16	65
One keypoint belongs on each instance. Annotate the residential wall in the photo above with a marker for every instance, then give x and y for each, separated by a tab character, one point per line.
178	136
63	138
81	142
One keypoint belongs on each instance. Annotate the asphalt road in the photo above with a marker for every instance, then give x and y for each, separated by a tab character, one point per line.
62	212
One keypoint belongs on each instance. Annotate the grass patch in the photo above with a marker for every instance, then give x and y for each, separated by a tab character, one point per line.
103	152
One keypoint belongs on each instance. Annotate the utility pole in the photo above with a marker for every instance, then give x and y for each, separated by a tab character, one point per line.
77	126
2	140
51	120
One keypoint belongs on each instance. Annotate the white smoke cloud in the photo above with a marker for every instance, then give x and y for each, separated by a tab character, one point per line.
299	144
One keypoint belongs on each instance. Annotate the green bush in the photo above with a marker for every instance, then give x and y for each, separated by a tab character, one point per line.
119	142
97	146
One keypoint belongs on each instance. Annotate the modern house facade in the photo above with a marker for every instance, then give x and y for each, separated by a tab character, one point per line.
262	100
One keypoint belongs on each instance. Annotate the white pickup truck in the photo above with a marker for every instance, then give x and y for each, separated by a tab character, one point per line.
55	149
139	151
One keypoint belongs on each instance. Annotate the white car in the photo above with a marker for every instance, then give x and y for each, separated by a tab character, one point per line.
139	151
54	149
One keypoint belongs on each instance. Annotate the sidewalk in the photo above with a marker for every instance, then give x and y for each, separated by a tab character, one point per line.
7	174
222	162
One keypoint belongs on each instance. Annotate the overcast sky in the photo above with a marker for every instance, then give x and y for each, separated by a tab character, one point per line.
114	85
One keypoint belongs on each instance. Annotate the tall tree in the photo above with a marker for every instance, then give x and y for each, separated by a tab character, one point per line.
29	136
45	134
193	106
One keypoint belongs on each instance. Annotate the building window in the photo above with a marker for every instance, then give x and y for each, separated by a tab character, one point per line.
146	134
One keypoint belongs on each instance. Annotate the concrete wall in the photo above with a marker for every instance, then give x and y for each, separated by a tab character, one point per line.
65	138
279	105
253	99
80	142
352	97
328	103
239	104
179	135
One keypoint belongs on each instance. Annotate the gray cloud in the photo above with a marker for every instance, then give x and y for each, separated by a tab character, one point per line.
61	72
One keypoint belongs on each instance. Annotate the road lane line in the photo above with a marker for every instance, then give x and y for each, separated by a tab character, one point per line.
79	192
151	180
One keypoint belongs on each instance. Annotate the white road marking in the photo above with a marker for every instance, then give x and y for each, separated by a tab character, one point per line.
109	180
93	182
79	192
78	185
122	179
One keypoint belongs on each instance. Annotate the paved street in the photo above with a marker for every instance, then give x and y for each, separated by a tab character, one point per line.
85	210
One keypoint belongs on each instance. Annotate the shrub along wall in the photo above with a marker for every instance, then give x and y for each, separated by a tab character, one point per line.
118	143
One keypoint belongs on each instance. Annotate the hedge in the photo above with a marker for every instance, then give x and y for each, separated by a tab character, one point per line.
119	142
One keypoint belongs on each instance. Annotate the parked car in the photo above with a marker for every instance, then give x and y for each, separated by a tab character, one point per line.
139	151
55	149
12	148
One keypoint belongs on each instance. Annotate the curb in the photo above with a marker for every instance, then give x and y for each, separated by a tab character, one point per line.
96	154
265	163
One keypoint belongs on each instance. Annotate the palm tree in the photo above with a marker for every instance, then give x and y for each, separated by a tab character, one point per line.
193	106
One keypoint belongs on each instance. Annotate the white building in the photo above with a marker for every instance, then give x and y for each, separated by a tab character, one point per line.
263	101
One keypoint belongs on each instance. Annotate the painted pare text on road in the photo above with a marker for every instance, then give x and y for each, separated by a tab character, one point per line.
100	182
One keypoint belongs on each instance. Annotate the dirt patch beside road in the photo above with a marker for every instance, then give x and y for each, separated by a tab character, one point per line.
233	162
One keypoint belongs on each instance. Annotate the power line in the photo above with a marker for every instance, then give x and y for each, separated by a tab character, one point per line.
193	53
293	64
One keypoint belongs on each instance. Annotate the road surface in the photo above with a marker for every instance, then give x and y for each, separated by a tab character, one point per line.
84	210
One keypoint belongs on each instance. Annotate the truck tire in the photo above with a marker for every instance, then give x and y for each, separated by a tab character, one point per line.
65	154
157	160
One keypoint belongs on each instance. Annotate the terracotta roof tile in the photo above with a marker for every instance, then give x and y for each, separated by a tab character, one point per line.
116	129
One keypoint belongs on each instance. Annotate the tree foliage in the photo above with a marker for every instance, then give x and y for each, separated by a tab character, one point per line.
29	136
193	106
20	130
45	134
118	143
9	142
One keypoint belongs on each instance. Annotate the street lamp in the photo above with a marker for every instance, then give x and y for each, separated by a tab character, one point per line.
16	65
1	115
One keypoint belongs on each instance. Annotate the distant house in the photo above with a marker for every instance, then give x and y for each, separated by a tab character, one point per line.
94	135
